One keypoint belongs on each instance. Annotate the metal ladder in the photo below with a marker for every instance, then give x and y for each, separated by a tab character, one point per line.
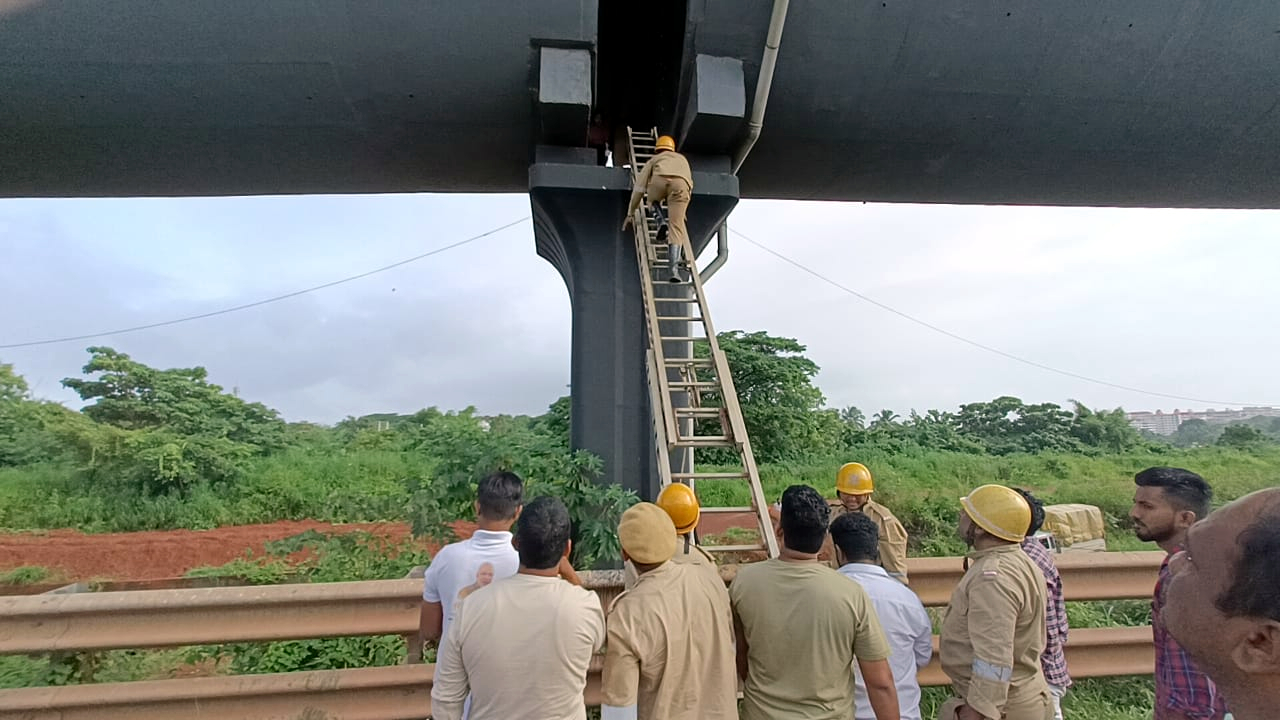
687	391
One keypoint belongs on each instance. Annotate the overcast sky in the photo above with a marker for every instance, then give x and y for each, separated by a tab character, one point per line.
1183	302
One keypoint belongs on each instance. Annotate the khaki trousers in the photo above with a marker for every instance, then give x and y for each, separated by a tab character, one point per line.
677	194
1036	707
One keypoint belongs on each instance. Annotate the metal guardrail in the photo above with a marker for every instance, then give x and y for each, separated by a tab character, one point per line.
164	618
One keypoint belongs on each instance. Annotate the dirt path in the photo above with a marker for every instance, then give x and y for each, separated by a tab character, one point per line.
164	554
154	555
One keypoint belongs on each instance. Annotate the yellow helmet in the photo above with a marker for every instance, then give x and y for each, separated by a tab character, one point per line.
854	479
999	510
681	504
666	142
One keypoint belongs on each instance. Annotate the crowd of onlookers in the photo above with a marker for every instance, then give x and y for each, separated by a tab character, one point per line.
843	638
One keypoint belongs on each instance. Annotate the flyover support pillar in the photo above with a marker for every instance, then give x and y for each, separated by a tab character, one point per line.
578	210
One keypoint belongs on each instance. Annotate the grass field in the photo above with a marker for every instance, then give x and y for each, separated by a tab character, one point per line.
922	488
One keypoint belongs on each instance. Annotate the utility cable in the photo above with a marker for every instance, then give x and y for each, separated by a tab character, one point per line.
266	301
981	346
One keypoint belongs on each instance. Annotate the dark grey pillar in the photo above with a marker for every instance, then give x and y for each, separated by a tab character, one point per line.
577	212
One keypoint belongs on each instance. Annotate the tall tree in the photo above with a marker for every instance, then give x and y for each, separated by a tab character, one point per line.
781	406
132	396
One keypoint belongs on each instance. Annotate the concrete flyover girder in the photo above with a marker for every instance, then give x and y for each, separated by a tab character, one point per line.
1093	102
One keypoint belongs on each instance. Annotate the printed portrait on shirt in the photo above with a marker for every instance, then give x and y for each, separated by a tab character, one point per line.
484	576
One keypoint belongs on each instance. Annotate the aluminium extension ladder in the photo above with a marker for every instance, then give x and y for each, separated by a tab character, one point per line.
689	394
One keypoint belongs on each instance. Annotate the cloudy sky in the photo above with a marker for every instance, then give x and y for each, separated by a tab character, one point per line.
1181	302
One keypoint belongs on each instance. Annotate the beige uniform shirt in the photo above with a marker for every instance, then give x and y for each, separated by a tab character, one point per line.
670	647
805	625
686	554
893	538
994	632
665	164
521	647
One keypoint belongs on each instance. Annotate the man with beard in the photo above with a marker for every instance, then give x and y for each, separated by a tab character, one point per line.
994	631
1222	601
1166	503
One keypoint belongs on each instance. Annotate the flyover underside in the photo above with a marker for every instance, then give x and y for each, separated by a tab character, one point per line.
1096	102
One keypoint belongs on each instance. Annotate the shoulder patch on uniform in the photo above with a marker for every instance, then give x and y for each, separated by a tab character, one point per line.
990	573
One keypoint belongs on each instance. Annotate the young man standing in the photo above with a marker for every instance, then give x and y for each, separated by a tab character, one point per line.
1054	660
522	646
904	620
1223	601
800	626
498	503
1166	503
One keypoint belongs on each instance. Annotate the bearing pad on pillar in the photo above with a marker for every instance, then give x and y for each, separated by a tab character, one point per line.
564	96
577	213
715	110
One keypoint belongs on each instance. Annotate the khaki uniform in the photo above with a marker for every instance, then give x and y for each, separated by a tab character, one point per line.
686	554
992	637
670	647
667	177
893	538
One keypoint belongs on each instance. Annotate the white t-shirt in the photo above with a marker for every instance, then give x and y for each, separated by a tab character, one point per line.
457	565
906	626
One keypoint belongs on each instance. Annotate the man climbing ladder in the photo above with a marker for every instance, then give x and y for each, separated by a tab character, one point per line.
666	177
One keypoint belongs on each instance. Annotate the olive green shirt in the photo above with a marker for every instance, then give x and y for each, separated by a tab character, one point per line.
805	625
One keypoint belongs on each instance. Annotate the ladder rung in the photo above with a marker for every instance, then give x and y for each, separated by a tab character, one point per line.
709	476
674	300
681	338
680	318
700	362
731	548
692	383
736	510
701	443
699	415
704	441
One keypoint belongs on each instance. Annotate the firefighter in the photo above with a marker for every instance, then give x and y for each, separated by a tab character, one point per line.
681	505
853	492
993	632
670	652
667	177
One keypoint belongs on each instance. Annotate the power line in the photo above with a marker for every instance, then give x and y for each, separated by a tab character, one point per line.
981	346
266	301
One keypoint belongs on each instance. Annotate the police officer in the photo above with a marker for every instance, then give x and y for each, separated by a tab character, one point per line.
681	505
666	177
994	629
669	652
853	492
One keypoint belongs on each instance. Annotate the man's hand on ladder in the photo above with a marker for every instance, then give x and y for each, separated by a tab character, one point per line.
626	223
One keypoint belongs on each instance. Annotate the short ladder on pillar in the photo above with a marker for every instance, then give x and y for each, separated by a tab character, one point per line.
693	399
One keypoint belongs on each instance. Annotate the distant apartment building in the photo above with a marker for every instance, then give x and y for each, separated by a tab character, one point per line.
1162	423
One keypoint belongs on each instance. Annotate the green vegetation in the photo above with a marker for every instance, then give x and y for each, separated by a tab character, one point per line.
161	449
328	558
25	575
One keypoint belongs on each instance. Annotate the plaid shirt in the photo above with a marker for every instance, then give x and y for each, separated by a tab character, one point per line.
1179	685
1053	661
